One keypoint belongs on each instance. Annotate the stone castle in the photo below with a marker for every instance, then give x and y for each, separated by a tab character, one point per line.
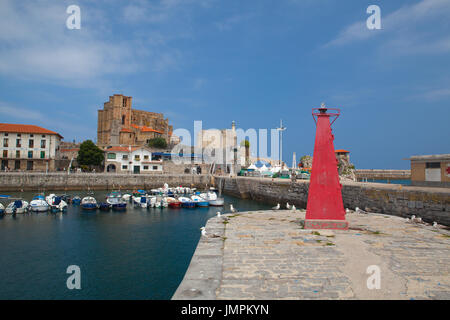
119	124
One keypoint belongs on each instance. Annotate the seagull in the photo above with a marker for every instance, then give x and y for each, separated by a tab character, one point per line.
277	207
293	208
288	206
347	210
413	217
218	214
232	208
435	225
203	231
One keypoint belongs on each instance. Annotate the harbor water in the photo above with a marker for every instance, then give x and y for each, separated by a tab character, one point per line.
136	254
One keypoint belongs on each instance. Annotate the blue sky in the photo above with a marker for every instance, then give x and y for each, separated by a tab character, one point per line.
254	62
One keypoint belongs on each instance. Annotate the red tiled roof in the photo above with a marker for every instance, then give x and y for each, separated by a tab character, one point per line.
126	130
146	129
341	151
25	128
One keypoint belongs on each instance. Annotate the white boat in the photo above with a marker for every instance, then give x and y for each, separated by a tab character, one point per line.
2	209
17	206
126	197
89	203
199	201
140	201
56	203
38	204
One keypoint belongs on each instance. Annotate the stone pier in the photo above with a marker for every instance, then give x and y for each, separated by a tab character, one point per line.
268	255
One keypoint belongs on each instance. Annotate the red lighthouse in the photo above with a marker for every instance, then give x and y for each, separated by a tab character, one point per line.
325	208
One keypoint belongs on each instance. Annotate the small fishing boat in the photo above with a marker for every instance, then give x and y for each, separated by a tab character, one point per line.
17	206
186	202
211	196
218	202
76	200
173	203
140	199
56	203
2	209
199	201
104	206
89	203
117	201
38	204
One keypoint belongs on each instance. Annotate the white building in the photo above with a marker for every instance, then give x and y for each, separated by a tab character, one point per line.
129	159
28	147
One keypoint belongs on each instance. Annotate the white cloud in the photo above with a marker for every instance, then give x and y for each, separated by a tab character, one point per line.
403	29
36	44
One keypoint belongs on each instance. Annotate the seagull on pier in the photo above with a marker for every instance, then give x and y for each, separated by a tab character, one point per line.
288	206
347	210
277	207
435	225
293	207
232	208
218	214
204	234
203	231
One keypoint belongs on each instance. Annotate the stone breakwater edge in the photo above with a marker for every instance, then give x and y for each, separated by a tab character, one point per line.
265	255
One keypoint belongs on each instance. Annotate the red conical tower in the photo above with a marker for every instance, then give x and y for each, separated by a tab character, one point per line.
325	208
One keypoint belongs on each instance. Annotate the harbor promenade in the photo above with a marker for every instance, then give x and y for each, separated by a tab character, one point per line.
268	255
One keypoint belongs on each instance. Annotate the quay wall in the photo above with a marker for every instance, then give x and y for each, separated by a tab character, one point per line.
431	204
383	174
13	181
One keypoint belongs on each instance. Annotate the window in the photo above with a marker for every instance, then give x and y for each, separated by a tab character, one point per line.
18	143
111	156
145	167
29	165
42	143
146	157
125	157
43	136
19	135
124	167
137	157
42	154
433	165
5	142
31	135
17	165
155	167
123	119
30	154
17	154
31	143
6	134
5	153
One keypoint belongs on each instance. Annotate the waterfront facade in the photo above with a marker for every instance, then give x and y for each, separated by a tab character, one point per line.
28	147
430	170
131	159
119	124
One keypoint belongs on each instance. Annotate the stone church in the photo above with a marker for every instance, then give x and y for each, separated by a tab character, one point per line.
119	124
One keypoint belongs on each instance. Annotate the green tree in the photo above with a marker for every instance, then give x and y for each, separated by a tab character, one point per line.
90	154
159	143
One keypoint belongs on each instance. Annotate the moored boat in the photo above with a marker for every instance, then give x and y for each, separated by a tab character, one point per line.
76	200
38	204
187	202
89	203
199	201
17	206
104	206
173	203
2	209
117	201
